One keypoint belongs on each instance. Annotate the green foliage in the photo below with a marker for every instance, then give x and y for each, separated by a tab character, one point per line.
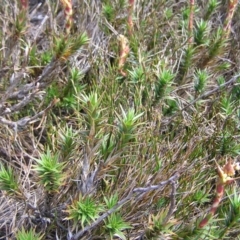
127	126
163	84
162	202
111	201
84	210
8	181
157	225
227	106
28	235
91	106
201	77
186	62
67	142
170	107
231	214
137	75
50	171
108	145
211	8
33	60
72	89
20	24
64	48
226	144
114	226
46	58
168	13
37	61
235	93
52	92
201	33
108	12
217	43
201	197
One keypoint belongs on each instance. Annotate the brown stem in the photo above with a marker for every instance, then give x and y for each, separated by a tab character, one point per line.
123	54
190	23
215	205
24	3
224	179
67	5
232	5
130	12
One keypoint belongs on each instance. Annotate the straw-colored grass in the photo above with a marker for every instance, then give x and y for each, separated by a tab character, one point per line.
117	119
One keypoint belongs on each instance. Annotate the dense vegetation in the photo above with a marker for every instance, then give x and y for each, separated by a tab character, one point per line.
119	119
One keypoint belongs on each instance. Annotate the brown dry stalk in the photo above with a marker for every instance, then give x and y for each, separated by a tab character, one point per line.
232	5
130	13
67	5
190	23
224	178
27	120
123	54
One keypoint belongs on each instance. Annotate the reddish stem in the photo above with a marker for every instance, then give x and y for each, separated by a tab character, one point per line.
190	23
123	54
130	13
24	3
224	179
232	5
215	205
67	5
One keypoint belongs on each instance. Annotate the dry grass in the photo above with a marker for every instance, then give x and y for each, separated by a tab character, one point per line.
151	136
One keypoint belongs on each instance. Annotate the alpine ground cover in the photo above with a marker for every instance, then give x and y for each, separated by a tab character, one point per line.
119	119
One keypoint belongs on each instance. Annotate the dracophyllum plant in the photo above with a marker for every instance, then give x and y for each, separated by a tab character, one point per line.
28	235
8	182
50	171
200	81
115	225
127	126
163	84
67	142
91	103
84	211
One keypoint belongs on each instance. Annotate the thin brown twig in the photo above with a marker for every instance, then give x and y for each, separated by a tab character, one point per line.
190	24
172	202
172	180
26	120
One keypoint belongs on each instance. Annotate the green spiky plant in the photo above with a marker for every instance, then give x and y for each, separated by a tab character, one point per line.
8	182
28	235
211	7
128	123
163	84
108	11
201	33
50	171
84	210
115	225
200	81
67	143
231	214
64	48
